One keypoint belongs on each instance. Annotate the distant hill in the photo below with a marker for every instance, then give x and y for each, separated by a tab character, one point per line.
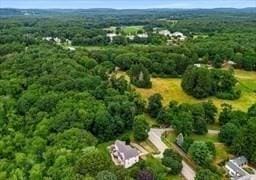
46	12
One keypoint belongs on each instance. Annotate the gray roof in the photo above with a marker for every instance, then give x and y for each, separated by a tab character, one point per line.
236	168
248	177
127	150
240	160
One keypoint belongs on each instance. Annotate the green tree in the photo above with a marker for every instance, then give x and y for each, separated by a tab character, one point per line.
245	142
74	139
210	111
126	60
92	162
252	110
140	76
154	105
106	175
228	133
197	82
199	119
217	62
206	174
140	128
145	175
182	123
36	172
225	114
200	153
172	161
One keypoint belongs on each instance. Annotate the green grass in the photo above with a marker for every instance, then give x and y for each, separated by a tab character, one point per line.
148	146
170	89
207	137
159	170
151	121
131	29
171	137
221	153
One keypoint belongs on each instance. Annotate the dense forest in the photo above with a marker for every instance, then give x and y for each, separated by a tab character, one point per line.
59	107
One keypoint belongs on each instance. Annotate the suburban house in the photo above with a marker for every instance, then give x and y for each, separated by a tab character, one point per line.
143	35
178	35
111	36
131	37
71	48
235	168
124	154
229	64
165	33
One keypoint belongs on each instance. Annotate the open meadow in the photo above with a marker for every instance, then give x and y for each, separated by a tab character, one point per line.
170	89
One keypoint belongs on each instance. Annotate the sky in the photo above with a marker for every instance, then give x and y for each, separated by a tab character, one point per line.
125	4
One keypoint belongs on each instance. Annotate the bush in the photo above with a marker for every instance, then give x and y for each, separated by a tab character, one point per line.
172	161
235	94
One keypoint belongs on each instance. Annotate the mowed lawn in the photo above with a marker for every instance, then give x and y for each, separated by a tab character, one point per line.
170	89
131	29
222	151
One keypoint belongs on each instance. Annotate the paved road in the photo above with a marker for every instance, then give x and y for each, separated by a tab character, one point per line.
154	136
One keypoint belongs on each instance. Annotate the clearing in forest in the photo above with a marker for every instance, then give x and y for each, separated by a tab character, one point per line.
170	89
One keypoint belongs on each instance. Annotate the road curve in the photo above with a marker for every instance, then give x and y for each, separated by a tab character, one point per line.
154	136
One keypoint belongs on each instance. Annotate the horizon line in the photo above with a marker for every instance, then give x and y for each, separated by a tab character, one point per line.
126	8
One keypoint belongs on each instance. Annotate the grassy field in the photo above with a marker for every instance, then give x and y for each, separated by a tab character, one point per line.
131	29
170	89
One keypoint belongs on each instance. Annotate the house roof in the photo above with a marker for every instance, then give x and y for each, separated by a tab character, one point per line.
127	150
240	160
236	168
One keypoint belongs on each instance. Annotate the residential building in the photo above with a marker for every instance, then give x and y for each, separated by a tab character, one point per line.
235	168
125	154
165	33
111	36
143	35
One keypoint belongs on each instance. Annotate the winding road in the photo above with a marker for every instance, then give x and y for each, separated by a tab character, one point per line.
154	136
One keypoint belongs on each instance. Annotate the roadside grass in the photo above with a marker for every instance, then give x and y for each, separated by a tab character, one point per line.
206	138
170	89
159	170
221	153
170	137
131	29
148	146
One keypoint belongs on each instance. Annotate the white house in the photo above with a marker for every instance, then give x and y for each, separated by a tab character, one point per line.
179	36
235	168
131	37
47	38
69	42
111	36
57	40
143	35
71	48
125	154
165	33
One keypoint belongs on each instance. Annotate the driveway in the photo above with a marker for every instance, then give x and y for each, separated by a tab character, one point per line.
213	132
154	136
